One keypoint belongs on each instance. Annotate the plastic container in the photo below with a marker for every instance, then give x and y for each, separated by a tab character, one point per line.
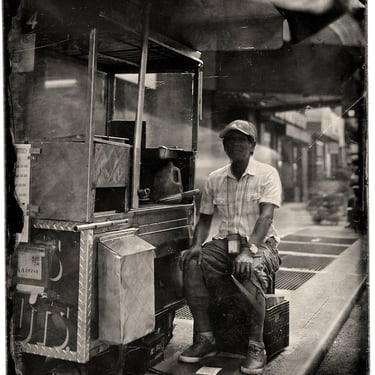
167	181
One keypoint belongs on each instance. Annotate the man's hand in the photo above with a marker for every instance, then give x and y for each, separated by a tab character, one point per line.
195	251
242	264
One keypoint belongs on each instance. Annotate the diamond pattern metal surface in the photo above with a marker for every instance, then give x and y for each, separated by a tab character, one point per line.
312	248
306	262
184	313
318	239
291	280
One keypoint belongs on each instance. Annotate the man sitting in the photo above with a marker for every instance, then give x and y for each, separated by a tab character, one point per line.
245	193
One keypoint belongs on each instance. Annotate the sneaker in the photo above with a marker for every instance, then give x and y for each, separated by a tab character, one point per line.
256	359
201	348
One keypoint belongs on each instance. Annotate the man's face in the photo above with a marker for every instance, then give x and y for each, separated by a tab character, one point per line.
238	146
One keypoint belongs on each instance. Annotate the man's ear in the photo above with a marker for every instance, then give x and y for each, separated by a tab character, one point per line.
224	144
252	146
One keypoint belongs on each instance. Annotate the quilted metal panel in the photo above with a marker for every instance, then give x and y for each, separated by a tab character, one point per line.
111	165
139	313
126	289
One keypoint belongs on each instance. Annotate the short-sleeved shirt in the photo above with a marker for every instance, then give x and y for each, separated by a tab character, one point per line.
238	202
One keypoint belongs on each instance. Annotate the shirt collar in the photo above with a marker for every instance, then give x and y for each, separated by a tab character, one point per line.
250	169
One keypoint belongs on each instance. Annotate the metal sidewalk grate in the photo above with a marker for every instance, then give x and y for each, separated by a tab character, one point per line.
292	280
312	248
317	239
307	262
184	313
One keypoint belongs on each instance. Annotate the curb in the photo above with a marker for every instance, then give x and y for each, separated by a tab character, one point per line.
318	311
313	363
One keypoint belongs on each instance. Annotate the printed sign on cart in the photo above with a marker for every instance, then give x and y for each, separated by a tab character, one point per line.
22	186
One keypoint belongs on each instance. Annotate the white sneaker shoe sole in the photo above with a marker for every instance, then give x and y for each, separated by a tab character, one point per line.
254	371
186	359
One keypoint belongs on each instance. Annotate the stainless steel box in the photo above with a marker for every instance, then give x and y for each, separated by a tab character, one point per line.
126	288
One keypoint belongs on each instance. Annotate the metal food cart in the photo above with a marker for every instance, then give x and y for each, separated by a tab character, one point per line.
97	262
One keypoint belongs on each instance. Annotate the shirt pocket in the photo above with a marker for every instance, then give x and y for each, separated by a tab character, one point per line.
221	201
252	196
251	204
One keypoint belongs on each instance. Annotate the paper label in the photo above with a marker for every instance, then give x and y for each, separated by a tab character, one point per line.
205	370
30	264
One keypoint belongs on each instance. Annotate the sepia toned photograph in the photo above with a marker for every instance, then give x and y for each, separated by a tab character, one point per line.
186	187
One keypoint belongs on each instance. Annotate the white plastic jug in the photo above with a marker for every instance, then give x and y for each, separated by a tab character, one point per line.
167	181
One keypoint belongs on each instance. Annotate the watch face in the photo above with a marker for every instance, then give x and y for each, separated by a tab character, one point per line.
253	248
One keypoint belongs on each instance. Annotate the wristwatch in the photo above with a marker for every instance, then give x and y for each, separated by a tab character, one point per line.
253	248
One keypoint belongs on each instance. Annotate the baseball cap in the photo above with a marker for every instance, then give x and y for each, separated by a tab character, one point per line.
242	126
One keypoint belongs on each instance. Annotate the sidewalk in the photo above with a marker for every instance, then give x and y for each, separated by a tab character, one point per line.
332	260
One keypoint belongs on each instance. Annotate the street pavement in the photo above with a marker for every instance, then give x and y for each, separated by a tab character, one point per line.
319	306
349	353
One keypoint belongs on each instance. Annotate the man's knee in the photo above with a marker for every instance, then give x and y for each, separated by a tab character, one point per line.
193	262
255	293
193	275
192	268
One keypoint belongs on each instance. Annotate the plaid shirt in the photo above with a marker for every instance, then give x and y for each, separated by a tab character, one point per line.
238	201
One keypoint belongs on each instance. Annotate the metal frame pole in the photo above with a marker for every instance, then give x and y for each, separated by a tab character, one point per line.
140	107
197	105
110	98
197	115
90	130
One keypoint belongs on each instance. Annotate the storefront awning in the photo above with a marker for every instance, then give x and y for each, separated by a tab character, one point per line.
247	37
245	25
304	70
281	54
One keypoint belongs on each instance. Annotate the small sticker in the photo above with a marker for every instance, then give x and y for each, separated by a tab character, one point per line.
30	265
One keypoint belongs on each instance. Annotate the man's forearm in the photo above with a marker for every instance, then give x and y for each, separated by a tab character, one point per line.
260	229
202	229
263	223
